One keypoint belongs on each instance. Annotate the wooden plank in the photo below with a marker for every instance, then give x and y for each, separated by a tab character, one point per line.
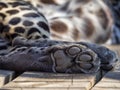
97	88
52	81
5	77
111	81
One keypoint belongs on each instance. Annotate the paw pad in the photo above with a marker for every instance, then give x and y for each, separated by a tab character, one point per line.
86	66
75	58
74	50
85	58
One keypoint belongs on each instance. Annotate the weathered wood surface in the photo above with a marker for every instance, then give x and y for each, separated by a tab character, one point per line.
50	81
5	77
111	81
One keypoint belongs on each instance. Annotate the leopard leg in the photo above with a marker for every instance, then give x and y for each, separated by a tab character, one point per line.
74	58
27	59
57	58
20	41
107	57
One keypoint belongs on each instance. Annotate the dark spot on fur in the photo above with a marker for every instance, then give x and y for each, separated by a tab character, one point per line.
48	1
34	15
15	21
39	6
27	23
43	25
59	27
25	8
37	37
89	27
1	27
44	36
78	11
19	30
12	12
33	30
18	3
6	28
2	15
82	1
14	35
3	5
103	18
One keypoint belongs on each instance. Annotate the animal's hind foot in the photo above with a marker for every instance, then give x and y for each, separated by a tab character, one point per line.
63	57
74	59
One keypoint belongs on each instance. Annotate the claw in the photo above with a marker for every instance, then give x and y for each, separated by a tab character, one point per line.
86	66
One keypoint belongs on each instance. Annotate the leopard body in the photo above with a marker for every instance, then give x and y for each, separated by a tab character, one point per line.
20	19
45	35
72	20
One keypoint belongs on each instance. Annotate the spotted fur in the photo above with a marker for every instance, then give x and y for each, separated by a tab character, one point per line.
88	20
25	25
68	20
18	18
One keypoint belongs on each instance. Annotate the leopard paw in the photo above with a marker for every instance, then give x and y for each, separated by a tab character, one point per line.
74	59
